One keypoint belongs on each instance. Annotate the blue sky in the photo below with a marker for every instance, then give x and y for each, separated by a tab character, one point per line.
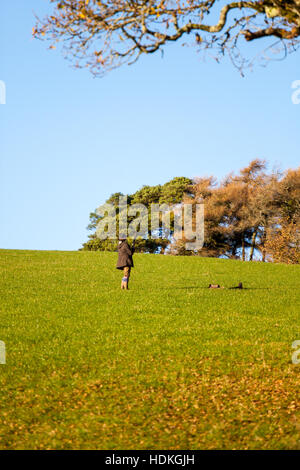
69	140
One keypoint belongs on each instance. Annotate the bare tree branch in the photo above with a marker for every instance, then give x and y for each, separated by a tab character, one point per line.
104	34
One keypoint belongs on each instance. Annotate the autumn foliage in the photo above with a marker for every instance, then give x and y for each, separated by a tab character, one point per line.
104	34
283	244
252	215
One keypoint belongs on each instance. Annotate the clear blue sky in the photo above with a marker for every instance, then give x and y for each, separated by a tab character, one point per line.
68	140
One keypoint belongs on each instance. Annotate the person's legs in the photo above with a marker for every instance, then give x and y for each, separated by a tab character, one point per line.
125	279
128	271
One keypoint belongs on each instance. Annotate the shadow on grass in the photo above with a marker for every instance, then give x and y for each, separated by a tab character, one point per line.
225	288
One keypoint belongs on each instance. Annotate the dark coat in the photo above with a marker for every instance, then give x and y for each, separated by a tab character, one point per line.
125	255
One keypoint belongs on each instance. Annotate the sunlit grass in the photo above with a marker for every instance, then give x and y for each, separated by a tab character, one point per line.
169	364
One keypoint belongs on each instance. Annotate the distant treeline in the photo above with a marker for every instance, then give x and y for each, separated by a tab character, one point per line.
254	214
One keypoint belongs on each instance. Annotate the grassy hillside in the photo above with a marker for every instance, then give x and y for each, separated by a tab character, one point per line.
169	364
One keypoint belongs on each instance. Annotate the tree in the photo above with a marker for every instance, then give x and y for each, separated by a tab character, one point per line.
253	211
170	193
205	191
254	208
283	235
283	243
286	196
234	211
104	34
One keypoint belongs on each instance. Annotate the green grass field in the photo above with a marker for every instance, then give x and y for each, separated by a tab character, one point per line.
168	364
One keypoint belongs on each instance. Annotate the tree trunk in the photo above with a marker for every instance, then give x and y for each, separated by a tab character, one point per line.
252	245
263	250
243	248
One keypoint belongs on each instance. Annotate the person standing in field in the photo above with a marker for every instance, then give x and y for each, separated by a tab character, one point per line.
125	261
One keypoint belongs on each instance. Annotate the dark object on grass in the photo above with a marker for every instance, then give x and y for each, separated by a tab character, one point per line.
217	286
239	286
